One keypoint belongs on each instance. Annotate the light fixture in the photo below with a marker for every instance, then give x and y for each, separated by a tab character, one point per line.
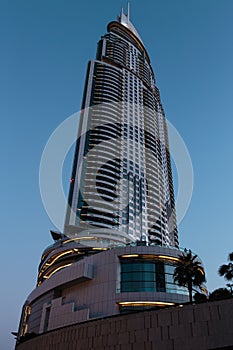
130	256
57	269
95	248
145	303
166	257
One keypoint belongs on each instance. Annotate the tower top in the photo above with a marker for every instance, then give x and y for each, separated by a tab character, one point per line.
124	19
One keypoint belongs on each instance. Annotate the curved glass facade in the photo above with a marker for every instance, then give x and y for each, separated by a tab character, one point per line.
145	275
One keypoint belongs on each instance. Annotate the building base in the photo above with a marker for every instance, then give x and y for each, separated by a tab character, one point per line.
77	283
191	327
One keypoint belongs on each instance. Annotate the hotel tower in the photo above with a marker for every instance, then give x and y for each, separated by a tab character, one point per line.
121	188
119	247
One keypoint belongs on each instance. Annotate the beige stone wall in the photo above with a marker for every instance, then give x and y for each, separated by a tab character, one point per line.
192	327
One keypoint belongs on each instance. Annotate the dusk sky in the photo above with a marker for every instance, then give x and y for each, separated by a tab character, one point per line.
45	47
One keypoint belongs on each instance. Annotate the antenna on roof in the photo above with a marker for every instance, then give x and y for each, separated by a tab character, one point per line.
128	12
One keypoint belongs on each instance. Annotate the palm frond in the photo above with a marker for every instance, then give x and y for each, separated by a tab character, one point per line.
231	256
223	269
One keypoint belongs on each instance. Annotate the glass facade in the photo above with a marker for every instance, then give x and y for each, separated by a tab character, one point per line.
138	276
141	275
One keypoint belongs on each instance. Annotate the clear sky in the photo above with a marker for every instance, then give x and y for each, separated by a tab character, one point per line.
45	46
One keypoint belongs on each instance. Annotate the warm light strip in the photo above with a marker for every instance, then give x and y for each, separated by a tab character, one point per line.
99	248
47	264
145	256
167	257
152	303
57	269
59	255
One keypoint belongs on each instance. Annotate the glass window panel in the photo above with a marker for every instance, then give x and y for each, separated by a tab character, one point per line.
140	287
124	277
171	288
136	286
169	278
169	269
126	287
138	276
149	267
149	276
138	266
149	285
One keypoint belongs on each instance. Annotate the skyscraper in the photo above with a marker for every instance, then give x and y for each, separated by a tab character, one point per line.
121	187
120	244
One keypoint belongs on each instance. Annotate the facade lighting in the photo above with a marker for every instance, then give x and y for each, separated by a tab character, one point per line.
145	303
57	269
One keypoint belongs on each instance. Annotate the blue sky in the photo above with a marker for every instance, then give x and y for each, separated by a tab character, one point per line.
45	46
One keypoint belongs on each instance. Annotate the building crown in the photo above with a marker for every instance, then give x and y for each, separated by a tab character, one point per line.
124	19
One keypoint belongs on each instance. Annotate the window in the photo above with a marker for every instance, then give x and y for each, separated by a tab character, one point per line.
137	276
46	320
142	276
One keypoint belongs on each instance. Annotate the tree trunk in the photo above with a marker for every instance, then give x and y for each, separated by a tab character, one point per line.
190	289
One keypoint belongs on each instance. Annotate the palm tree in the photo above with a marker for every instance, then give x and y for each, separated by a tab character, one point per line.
230	286
226	270
200	297
189	272
219	294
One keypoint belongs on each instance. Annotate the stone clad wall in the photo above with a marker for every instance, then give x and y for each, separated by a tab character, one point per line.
192	327
63	314
90	288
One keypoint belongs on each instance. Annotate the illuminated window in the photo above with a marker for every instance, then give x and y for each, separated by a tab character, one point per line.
25	316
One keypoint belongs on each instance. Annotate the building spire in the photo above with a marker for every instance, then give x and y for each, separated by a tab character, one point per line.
127	15
128	12
124	19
